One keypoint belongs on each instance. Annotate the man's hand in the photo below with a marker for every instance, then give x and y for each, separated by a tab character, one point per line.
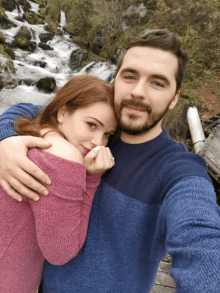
16	170
99	160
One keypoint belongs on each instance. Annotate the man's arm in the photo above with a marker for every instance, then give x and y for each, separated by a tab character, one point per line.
16	170
191	221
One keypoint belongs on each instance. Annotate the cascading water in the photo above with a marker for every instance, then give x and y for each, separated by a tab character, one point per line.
42	63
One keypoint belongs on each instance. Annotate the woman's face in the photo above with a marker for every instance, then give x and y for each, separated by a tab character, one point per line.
88	127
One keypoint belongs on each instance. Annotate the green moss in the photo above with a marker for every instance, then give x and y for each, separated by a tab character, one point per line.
2	38
91	57
1	84
2	12
80	41
53	28
33	18
10	65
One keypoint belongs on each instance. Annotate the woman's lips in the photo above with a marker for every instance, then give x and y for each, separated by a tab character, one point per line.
86	150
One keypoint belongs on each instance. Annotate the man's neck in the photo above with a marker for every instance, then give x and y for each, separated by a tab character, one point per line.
141	138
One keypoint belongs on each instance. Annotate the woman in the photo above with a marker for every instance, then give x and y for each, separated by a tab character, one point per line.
78	122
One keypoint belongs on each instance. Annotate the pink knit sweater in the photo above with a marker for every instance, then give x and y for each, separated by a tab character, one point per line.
54	228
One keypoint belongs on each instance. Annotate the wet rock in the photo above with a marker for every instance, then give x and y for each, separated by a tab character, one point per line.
9	52
24	44
24	32
47	84
9	5
1	84
77	57
25	4
5	23
2	38
46	37
33	17
44	46
19	18
40	63
6	72
27	82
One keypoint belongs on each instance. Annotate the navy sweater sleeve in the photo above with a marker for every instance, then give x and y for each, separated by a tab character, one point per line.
8	117
191	223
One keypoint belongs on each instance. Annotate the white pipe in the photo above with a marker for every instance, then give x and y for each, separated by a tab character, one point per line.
195	127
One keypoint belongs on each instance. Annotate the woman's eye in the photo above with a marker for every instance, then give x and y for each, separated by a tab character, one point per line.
91	125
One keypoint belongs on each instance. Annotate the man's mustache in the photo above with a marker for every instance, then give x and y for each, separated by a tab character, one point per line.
136	104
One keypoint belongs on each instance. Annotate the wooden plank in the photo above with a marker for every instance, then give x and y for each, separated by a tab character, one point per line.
162	289
165	280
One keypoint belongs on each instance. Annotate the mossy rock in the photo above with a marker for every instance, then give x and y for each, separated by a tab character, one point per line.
33	17
2	38
175	121
9	51
10	65
80	41
53	28
46	84
1	84
24	44
92	57
2	12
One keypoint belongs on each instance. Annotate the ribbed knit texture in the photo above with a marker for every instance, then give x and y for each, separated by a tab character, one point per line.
54	228
157	198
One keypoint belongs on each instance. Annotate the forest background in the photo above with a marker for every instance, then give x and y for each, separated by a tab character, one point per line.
104	27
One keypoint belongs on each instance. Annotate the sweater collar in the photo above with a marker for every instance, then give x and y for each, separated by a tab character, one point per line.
145	145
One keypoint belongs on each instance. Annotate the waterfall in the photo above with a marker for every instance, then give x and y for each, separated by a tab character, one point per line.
62	18
41	63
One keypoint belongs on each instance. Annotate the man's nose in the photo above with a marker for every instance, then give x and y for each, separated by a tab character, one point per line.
139	90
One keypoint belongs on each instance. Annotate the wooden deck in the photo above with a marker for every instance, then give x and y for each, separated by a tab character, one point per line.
164	283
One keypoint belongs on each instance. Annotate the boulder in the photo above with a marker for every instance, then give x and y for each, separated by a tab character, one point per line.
46	84
44	46
24	32
46	37
40	63
9	5
5	23
33	17
77	57
19	18
25	4
24	44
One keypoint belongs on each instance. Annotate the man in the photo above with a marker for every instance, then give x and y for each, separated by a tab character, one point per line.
157	197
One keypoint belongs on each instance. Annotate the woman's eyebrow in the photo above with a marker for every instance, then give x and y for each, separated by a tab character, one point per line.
97	121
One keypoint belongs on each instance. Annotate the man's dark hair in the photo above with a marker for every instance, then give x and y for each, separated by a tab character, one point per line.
164	40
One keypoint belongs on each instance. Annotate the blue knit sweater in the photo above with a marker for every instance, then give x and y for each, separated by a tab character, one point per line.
157	198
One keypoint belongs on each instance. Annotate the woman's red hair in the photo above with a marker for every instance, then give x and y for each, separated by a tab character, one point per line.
79	92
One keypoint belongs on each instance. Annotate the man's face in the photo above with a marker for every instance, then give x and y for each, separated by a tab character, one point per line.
145	89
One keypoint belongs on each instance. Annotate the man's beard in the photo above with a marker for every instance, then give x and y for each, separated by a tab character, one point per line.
151	121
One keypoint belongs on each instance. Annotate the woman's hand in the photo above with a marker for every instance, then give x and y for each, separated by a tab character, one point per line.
99	160
17	171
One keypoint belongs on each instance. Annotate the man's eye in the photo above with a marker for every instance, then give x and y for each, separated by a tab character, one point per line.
108	135
129	77
158	84
91	125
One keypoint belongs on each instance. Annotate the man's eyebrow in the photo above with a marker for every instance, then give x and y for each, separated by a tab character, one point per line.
162	77
129	69
97	121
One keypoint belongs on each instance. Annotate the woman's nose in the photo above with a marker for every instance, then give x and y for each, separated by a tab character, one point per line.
97	140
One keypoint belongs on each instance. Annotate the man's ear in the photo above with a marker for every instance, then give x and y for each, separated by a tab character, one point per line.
62	114
175	100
